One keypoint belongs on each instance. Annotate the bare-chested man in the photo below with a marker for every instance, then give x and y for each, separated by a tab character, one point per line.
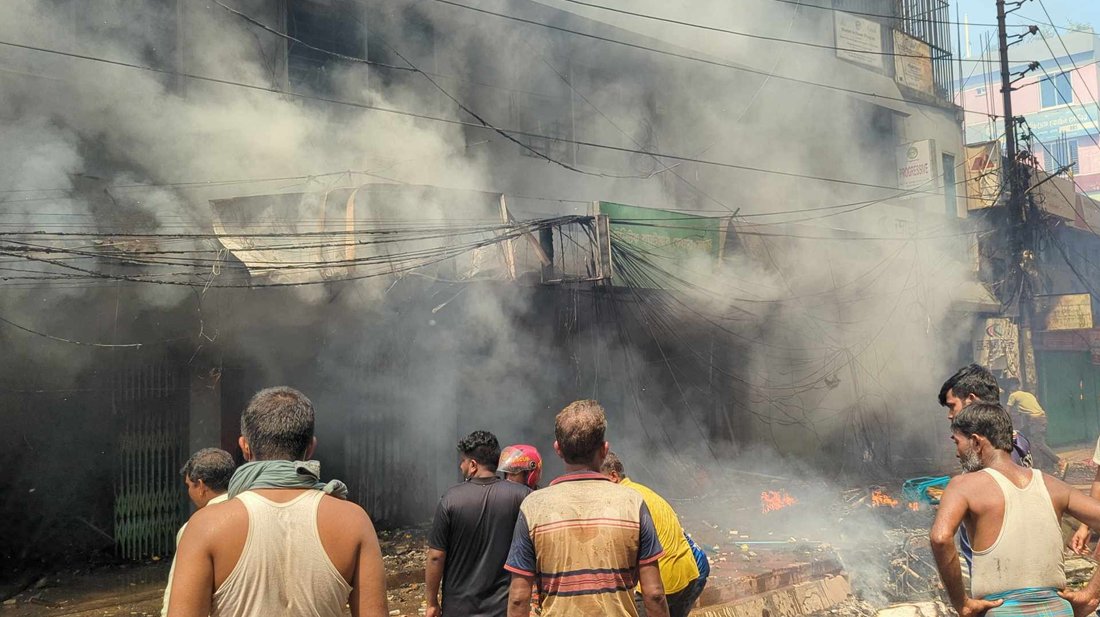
281	546
1012	515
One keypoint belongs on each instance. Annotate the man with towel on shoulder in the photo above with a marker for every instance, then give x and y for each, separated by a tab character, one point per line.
284	543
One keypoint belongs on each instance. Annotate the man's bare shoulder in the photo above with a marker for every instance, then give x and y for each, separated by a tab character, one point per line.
343	510
216	519
1055	485
969	481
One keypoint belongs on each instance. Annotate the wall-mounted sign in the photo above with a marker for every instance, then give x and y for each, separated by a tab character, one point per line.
917	168
913	63
996	343
1066	312
983	175
859	40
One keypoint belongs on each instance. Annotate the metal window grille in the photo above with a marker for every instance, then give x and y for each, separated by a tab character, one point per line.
929	21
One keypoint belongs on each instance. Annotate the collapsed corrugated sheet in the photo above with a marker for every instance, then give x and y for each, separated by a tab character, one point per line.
371	230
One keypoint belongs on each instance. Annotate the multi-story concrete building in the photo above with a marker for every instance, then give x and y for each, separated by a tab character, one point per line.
823	135
1058	100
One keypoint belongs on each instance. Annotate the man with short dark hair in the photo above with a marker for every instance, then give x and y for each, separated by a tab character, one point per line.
973	383
585	541
1012	515
206	475
470	536
969	384
284	543
679	573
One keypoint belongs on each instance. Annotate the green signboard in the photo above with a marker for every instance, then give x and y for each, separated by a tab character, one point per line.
667	234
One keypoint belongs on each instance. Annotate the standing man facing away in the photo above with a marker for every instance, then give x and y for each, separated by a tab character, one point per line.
585	541
471	534
206	475
1012	514
281	546
679	572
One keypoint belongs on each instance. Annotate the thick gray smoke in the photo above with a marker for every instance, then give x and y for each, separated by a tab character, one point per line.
809	341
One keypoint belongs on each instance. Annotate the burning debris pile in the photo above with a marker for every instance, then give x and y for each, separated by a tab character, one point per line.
780	536
770	501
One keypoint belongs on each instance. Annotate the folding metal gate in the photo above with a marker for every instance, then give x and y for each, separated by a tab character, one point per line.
150	404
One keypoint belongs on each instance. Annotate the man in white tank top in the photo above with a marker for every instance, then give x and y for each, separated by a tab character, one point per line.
286	549
206	475
1012	515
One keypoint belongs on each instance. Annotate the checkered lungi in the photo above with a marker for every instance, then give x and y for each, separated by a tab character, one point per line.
1034	602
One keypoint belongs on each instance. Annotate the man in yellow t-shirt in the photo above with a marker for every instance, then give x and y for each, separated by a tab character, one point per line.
1029	416
679	571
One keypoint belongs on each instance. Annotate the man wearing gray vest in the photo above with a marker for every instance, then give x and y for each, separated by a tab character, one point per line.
1012	515
284	543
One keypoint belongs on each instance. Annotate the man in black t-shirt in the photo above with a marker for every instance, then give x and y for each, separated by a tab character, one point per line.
471	535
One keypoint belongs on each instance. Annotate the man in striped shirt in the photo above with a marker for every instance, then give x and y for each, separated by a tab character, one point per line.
584	540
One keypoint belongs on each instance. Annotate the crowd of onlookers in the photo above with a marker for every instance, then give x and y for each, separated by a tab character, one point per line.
270	538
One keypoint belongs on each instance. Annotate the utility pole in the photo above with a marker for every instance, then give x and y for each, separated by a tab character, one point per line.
1021	240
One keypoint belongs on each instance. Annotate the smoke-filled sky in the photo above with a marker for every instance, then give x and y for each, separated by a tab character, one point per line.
808	341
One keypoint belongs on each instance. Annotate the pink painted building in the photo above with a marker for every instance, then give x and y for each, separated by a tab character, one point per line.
1058	101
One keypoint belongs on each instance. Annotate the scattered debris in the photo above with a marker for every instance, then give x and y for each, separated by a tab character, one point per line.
917	609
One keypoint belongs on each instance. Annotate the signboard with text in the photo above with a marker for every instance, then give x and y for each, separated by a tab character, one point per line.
996	343
1065	312
913	63
858	40
1050	125
917	168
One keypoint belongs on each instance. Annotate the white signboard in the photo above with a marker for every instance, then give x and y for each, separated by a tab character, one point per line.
859	40
917	169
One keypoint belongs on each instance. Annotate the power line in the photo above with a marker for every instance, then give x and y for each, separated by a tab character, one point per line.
81	343
599	111
1055	26
389	263
1077	70
1073	111
950	23
479	125
182	184
750	35
413	68
694	58
875	15
476	116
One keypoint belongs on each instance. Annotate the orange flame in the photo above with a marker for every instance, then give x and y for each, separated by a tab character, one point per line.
771	501
880	499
